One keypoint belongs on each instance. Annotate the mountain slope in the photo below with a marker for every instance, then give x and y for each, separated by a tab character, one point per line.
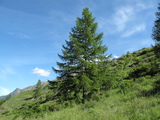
17	90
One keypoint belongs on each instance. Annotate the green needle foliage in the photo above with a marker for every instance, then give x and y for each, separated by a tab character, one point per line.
38	89
156	37
83	58
156	28
156	32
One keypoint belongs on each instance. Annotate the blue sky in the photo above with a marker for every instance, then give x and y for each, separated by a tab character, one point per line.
32	33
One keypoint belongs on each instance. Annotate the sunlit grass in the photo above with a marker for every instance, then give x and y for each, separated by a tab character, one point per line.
115	107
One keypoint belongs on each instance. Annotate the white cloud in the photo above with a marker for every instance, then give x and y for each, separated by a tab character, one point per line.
115	56
21	35
142	6
134	30
41	72
126	20
122	16
119	20
6	71
4	91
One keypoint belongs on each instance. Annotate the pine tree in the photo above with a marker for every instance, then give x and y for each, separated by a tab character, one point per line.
38	89
156	28
83	60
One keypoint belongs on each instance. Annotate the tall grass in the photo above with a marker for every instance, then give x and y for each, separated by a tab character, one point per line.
115	107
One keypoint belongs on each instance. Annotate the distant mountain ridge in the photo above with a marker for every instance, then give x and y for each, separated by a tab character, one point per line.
17	90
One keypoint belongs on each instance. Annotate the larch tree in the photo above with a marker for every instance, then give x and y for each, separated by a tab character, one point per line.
156	28
156	38
84	59
156	33
38	89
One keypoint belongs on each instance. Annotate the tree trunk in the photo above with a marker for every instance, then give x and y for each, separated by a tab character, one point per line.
84	95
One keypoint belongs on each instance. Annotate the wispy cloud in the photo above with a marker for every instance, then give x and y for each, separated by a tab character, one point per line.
4	72
19	35
122	16
147	42
142	6
140	43
41	72
63	17
136	29
4	91
125	20
118	21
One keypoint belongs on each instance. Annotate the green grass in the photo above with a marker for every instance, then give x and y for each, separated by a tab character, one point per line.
17	101
114	107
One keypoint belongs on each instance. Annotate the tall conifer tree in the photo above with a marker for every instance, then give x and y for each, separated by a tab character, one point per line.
83	60
156	37
38	89
156	28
